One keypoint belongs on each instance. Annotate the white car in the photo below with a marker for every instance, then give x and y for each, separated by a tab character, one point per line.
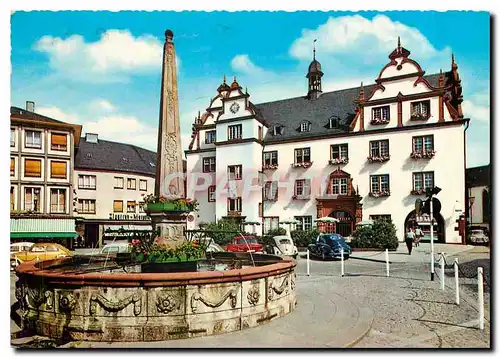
213	247
20	246
478	237
283	246
116	248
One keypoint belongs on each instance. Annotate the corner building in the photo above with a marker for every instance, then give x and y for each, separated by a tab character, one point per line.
355	154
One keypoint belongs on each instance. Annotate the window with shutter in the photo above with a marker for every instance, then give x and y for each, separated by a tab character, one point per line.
131	206
59	142
118	206
33	139
58	170
33	168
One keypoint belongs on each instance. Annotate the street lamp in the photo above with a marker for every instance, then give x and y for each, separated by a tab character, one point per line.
429	192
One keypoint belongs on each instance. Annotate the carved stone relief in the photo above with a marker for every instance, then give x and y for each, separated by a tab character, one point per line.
166	303
231	294
66	301
274	289
253	295
115	306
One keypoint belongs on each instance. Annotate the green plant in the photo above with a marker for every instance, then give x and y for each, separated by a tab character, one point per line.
191	204
223	231
362	237
380	235
303	238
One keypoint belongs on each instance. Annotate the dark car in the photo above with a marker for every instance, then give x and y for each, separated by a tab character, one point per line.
328	246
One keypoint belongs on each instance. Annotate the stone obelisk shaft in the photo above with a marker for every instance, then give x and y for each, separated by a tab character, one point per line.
169	180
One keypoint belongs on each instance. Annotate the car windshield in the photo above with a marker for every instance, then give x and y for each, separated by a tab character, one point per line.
249	240
333	239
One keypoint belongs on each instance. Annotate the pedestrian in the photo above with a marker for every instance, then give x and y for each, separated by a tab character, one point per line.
418	236
410	236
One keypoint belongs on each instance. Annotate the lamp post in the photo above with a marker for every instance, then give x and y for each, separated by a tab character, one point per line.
429	193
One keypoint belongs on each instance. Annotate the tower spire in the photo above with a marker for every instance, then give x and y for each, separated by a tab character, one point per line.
314	49
399	44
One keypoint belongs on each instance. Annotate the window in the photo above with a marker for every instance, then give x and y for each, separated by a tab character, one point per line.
57	170
12	198
12	137
379	148
305	223
210	137
143	185
420	110
12	166
209	165
211	193
234	205
302	155
259	133
380	217
131	206
33	139
277	130
87	182
51	248
339	151
58	142
32	199
131	184
118	183
423	144
333	122
118	206
379	183
234	132
33	168
270	223
57	200
339	186
271	190
302	187
422	181
271	158
380	115
305	126
234	172
86	206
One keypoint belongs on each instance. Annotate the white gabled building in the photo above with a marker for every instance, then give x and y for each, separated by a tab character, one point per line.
353	154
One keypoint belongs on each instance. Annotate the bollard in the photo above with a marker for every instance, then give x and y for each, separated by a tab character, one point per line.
480	298
387	262
342	262
442	271
308	263
457	291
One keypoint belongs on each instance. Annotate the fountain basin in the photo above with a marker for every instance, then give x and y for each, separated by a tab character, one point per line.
136	306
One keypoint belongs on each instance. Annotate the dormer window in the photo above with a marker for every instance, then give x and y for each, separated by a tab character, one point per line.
305	126
333	123
277	130
380	115
420	110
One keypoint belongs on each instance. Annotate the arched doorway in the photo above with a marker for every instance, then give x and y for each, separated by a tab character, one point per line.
424	223
345	224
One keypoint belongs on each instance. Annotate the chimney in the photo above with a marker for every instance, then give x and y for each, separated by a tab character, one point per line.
30	106
91	137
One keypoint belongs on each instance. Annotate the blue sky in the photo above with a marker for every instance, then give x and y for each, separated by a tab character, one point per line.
102	69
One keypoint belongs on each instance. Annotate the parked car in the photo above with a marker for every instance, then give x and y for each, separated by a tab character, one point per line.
283	246
478	237
245	244
115	248
39	252
328	246
20	246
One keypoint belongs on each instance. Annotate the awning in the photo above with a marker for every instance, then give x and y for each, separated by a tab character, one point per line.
42	228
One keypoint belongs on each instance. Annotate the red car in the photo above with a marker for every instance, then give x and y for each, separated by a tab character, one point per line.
245	244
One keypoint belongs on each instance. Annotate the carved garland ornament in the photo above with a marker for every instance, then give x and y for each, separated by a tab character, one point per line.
253	295
199	297
279	290
166	303
115	306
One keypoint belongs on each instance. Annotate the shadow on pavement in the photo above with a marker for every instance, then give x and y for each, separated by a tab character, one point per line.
446	323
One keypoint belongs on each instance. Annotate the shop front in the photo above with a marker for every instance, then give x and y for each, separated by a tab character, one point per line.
43	229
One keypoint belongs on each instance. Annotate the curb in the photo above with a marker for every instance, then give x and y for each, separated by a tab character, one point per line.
365	331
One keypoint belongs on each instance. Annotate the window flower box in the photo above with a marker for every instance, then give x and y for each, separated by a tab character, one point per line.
423	154
376	121
338	161
271	199
379	194
301	197
379	159
302	165
234	213
269	166
419	117
417	192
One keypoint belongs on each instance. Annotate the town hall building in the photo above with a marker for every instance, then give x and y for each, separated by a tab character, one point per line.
355	154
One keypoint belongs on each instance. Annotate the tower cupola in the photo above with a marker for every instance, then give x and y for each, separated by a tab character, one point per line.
314	75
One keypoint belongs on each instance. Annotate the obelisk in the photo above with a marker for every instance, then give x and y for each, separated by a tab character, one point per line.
169	181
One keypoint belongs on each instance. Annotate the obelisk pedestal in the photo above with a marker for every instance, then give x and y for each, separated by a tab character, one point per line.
169	181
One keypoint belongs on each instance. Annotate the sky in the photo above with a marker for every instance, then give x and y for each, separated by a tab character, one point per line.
103	69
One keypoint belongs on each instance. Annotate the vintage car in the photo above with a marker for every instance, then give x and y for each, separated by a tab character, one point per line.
246	243
115	248
328	246
478	237
39	252
282	246
214	247
20	246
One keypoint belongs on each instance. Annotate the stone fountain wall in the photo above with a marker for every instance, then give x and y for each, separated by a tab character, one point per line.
153	307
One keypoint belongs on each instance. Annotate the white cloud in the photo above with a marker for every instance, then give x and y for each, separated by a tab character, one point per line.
476	112
57	114
115	54
357	35
104	105
244	65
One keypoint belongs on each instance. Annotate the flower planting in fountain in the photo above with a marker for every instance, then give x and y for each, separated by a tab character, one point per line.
161	203
147	249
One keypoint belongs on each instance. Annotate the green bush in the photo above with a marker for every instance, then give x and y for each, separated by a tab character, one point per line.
380	235
302	238
223	231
